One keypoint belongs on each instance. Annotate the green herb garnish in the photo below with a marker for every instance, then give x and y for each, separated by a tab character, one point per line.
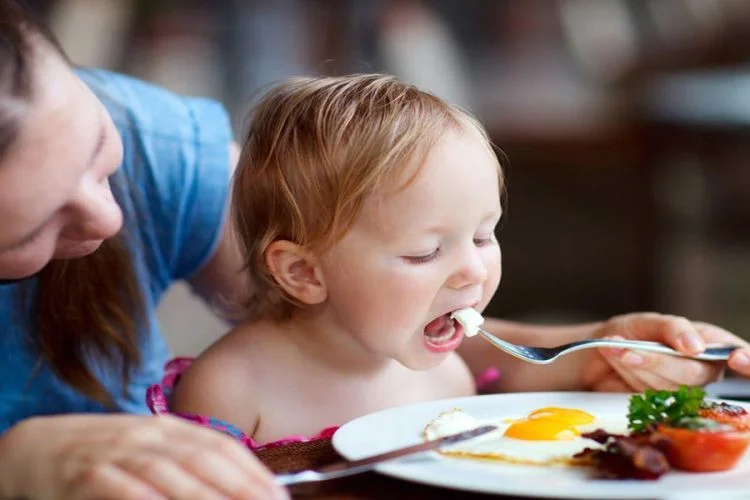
668	407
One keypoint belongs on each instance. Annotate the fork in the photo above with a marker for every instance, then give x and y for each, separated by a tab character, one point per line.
546	355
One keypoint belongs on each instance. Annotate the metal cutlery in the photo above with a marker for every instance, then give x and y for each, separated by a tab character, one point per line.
348	468
546	355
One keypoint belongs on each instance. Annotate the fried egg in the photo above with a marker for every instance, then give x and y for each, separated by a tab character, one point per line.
547	436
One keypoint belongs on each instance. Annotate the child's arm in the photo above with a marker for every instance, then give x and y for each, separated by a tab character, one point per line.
604	369
219	387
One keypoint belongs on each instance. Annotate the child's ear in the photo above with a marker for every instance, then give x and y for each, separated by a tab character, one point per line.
297	271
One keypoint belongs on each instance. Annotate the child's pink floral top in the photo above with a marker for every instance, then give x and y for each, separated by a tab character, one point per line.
157	398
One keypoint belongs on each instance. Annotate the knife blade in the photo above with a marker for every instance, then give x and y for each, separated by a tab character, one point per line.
350	467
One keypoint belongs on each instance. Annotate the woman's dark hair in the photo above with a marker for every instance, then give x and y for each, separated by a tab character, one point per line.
15	79
83	309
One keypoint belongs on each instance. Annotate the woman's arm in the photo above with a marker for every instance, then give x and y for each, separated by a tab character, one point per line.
220	283
127	457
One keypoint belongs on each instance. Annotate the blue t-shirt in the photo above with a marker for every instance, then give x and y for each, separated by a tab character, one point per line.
172	187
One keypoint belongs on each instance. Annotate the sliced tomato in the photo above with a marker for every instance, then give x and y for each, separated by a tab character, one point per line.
704	450
736	416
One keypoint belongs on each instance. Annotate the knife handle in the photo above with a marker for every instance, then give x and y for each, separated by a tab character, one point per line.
300	477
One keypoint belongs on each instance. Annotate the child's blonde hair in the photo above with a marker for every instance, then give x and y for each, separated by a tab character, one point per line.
315	149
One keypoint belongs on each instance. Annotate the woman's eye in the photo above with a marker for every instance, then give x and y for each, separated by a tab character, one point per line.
422	259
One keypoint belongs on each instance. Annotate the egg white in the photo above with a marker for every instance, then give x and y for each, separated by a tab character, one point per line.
495	446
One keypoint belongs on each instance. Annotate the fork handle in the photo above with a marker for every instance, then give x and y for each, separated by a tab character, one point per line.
716	353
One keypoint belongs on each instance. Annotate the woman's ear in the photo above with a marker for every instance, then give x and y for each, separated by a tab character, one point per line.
297	271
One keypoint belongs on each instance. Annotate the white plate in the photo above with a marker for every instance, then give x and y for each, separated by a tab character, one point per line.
397	427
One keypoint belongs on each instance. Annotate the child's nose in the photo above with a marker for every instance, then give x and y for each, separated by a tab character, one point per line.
472	271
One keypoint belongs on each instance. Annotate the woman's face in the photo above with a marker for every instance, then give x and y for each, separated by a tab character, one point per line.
55	199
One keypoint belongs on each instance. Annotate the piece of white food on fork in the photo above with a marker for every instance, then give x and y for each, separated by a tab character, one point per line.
470	320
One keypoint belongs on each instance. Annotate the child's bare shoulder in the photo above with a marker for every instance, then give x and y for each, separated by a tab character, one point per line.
231	357
222	382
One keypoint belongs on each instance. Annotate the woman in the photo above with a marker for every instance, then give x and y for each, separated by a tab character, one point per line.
61	205
110	190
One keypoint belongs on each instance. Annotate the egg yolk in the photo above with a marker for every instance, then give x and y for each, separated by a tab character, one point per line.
568	415
549	424
541	429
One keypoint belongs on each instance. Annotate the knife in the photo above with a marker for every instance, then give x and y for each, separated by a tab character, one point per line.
350	467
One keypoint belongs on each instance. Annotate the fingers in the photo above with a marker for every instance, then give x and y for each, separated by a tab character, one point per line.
642	370
108	482
124	457
168	477
601	374
627	375
235	482
666	372
676	331
237	454
739	361
216	460
714	334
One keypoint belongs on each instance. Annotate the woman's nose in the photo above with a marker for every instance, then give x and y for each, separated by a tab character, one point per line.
95	215
471	271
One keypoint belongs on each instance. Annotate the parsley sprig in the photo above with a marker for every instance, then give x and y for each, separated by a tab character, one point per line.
668	407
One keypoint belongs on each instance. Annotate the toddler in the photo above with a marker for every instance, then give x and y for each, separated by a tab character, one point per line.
366	210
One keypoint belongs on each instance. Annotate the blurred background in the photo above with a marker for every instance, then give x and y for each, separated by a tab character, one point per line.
626	126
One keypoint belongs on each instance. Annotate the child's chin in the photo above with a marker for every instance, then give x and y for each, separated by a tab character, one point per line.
425	361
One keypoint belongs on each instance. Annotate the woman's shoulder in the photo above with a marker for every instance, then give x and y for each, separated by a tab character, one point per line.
151	109
174	178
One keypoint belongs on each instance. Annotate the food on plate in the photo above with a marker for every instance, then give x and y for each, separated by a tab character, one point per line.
726	413
547	436
621	456
469	319
705	449
688	432
663	430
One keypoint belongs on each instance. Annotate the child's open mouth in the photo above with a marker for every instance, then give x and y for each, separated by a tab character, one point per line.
443	334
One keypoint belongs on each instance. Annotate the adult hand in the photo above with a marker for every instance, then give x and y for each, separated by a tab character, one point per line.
127	457
625	370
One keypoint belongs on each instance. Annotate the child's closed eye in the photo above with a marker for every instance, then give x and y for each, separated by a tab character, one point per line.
422	259
485	240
